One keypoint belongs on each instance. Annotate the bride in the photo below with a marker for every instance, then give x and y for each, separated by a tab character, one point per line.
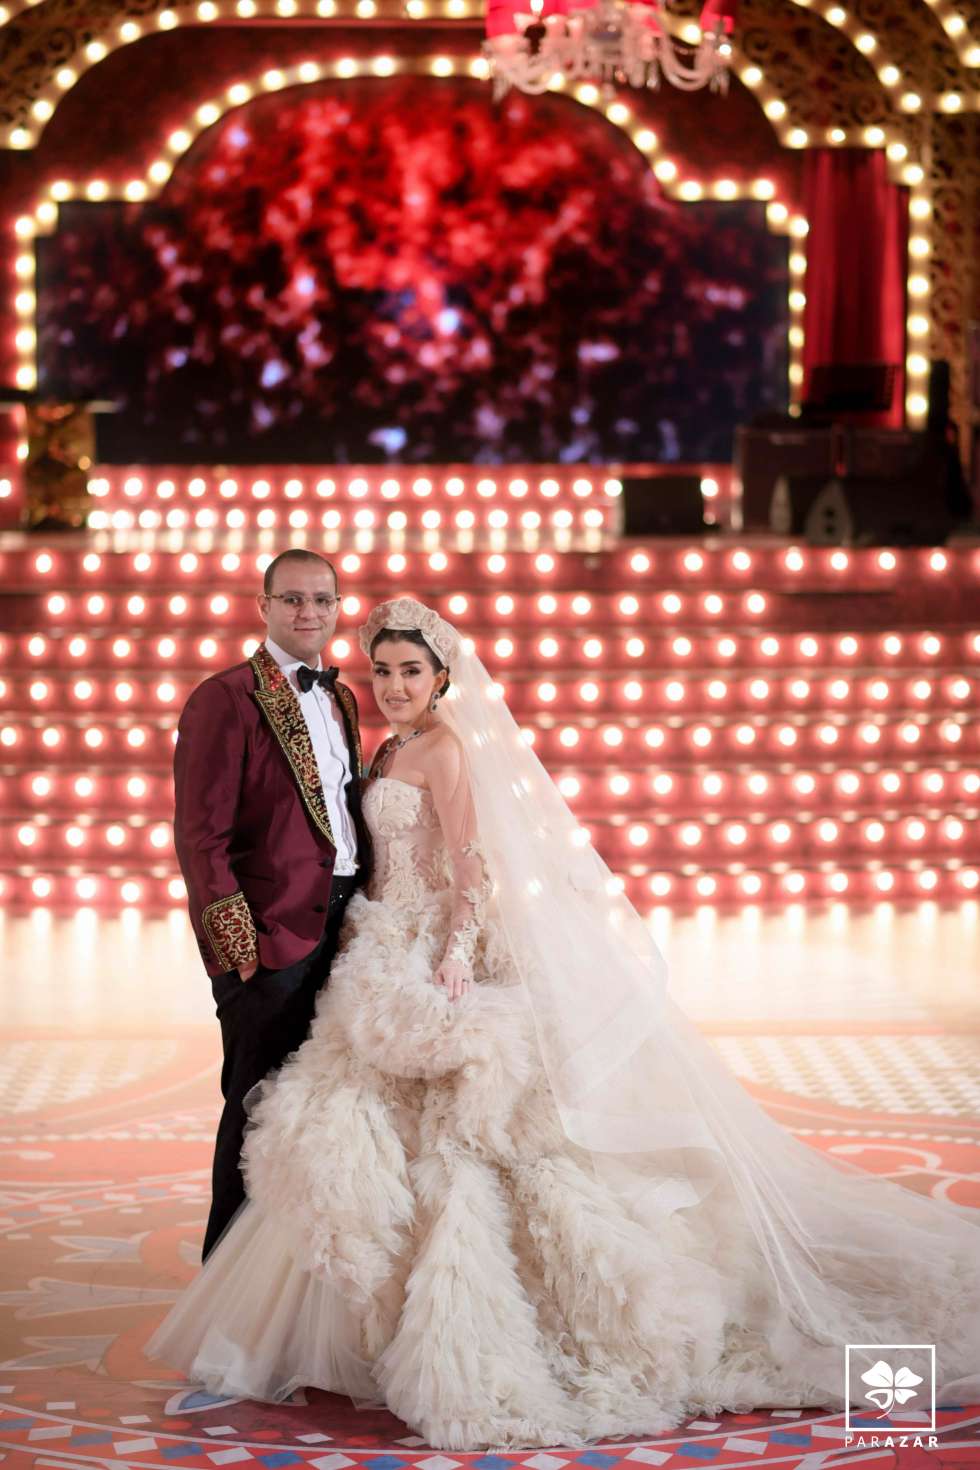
504	1187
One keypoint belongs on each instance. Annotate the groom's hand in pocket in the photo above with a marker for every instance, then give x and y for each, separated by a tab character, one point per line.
247	971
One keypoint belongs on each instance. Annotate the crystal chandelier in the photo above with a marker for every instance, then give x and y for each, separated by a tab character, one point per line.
535	45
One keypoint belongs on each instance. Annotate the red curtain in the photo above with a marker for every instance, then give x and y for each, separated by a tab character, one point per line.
856	264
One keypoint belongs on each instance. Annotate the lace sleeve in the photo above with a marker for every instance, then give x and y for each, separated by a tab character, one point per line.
450	787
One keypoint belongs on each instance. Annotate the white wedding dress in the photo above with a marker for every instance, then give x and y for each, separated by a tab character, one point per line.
421	1231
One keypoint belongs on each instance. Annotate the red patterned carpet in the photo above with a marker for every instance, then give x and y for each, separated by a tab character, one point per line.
104	1197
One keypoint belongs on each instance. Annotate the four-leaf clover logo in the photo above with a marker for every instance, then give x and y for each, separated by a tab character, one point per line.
889	1388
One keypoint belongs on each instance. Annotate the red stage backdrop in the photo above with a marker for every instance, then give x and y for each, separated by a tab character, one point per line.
856	264
392	270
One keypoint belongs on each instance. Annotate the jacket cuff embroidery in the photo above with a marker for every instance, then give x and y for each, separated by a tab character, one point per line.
231	932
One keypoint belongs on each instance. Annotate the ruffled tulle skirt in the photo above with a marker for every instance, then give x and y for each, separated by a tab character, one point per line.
421	1233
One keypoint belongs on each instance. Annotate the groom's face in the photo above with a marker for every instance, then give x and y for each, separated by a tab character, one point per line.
301	611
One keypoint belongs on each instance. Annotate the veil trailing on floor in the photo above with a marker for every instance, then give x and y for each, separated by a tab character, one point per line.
843	1256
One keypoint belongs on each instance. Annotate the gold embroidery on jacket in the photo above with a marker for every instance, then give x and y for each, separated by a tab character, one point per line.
230	929
281	708
350	709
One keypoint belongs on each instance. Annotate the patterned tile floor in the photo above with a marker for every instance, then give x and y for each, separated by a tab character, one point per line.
860	1033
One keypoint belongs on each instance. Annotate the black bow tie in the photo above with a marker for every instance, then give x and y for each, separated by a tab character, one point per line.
326	678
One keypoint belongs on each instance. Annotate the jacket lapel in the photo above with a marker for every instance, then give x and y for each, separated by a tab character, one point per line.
348	710
281	709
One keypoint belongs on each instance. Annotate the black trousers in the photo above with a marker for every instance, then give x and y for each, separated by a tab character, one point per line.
262	1021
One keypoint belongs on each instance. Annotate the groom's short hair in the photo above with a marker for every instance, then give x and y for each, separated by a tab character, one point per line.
295	553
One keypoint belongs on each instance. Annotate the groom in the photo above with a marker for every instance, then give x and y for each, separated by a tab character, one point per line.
269	839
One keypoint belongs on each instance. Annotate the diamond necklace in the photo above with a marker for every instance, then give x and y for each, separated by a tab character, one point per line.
398	743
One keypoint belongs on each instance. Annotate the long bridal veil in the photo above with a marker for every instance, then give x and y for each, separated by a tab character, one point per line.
842	1256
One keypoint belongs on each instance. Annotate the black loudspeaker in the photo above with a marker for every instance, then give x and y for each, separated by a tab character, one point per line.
663	505
861	512
938	416
792	498
764	454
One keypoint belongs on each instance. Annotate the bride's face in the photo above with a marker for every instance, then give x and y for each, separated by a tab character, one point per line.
403	681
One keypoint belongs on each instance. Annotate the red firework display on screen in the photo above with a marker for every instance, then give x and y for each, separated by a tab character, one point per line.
401	270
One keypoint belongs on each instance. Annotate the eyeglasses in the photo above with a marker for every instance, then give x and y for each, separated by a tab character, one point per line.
296	600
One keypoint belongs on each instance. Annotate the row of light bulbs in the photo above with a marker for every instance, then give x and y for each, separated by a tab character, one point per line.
661	693
767	563
878	786
358	487
828	831
824	737
862	37
242	608
565	647
949	881
593	518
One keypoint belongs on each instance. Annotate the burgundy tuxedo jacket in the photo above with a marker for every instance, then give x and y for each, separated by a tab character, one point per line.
251	826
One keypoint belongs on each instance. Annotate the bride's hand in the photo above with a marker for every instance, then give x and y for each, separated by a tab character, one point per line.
454	977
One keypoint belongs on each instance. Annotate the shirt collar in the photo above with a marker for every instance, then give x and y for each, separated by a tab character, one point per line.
288	663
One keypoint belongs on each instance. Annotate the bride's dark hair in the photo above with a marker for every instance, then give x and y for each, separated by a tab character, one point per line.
412	635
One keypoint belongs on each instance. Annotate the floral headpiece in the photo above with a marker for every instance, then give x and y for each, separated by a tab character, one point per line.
405	615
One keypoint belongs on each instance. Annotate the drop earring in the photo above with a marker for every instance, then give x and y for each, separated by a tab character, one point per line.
433	702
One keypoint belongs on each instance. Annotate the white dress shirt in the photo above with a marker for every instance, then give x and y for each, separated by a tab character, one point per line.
332	756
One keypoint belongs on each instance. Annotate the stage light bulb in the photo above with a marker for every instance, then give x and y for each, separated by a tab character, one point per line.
725	647
612	736
671	604
654	737
26	836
